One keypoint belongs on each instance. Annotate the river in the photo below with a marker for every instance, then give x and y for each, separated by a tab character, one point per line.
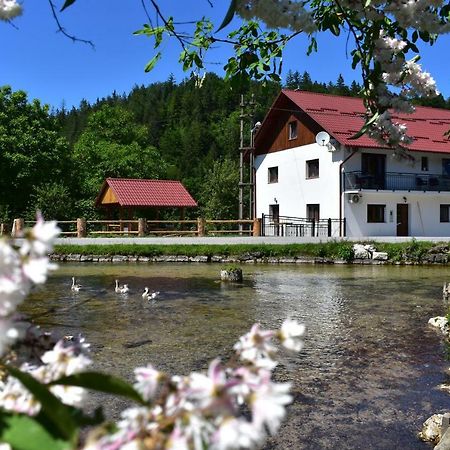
368	374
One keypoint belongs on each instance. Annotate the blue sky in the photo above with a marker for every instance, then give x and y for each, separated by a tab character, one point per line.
52	68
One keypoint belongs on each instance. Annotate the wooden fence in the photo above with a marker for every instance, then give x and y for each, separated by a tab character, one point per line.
142	227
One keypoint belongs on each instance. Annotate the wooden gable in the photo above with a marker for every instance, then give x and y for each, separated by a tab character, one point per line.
273	135
108	197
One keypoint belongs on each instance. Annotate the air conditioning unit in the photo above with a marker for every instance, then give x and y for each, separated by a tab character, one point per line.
354	198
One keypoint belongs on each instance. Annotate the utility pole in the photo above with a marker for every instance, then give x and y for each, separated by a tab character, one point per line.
246	152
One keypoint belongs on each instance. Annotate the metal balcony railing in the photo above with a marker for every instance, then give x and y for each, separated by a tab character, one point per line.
396	181
301	227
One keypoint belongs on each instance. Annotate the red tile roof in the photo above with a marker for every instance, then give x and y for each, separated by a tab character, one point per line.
342	117
145	193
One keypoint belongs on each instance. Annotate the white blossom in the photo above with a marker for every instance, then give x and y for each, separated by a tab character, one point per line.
236	434
148	379
268	404
9	9
257	347
40	238
290	334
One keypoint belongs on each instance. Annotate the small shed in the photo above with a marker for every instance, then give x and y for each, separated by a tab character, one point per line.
129	194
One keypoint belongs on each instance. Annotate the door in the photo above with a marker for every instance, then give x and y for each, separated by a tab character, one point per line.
373	170
402	219
274	217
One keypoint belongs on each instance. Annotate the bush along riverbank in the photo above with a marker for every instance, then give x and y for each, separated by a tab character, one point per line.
335	252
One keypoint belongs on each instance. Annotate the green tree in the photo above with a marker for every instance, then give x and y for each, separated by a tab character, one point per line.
113	145
31	151
293	80
220	190
54	201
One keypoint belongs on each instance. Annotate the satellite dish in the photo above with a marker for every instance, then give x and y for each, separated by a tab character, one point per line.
322	138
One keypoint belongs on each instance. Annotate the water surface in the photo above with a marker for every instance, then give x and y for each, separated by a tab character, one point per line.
366	379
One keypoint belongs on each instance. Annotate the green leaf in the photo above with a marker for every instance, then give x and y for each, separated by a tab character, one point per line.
26	433
366	126
102	383
152	63
67	3
51	407
229	16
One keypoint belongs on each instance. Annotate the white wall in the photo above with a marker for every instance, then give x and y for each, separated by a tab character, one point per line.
423	211
293	191
424	207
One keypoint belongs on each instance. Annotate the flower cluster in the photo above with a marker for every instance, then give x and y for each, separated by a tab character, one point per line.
278	14
19	271
205	410
390	80
63	360
9	9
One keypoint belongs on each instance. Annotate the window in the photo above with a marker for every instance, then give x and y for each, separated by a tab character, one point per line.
313	212
292	130
273	175
312	168
425	163
445	213
375	213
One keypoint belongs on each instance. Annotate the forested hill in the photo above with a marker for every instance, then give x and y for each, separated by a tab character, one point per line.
57	161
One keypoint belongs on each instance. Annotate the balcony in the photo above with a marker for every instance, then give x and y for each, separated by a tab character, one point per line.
396	181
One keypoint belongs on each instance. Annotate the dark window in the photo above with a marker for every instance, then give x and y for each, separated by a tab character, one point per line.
292	130
425	163
445	213
312	168
446	167
273	175
313	211
375	213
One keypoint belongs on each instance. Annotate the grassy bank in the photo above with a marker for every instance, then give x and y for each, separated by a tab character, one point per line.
408	251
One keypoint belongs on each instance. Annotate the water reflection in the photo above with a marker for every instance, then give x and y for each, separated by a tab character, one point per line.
366	378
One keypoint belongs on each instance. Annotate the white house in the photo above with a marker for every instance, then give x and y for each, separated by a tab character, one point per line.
349	187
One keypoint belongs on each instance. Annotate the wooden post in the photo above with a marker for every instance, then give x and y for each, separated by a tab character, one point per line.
201	231
18	226
142	227
2	229
182	213
81	228
256	227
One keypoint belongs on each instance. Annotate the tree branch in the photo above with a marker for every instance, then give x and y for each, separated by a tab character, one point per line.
63	31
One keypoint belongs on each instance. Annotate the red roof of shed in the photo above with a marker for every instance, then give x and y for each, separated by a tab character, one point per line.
138	192
342	117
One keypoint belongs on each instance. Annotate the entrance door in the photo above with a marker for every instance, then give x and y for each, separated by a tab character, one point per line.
402	219
274	213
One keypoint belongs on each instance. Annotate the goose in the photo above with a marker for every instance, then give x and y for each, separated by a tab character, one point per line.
75	287
148	295
121	289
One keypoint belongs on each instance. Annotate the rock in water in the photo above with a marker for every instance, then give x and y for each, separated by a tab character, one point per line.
231	275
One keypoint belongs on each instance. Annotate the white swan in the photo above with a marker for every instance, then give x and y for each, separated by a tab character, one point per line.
149	296
121	289
75	287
